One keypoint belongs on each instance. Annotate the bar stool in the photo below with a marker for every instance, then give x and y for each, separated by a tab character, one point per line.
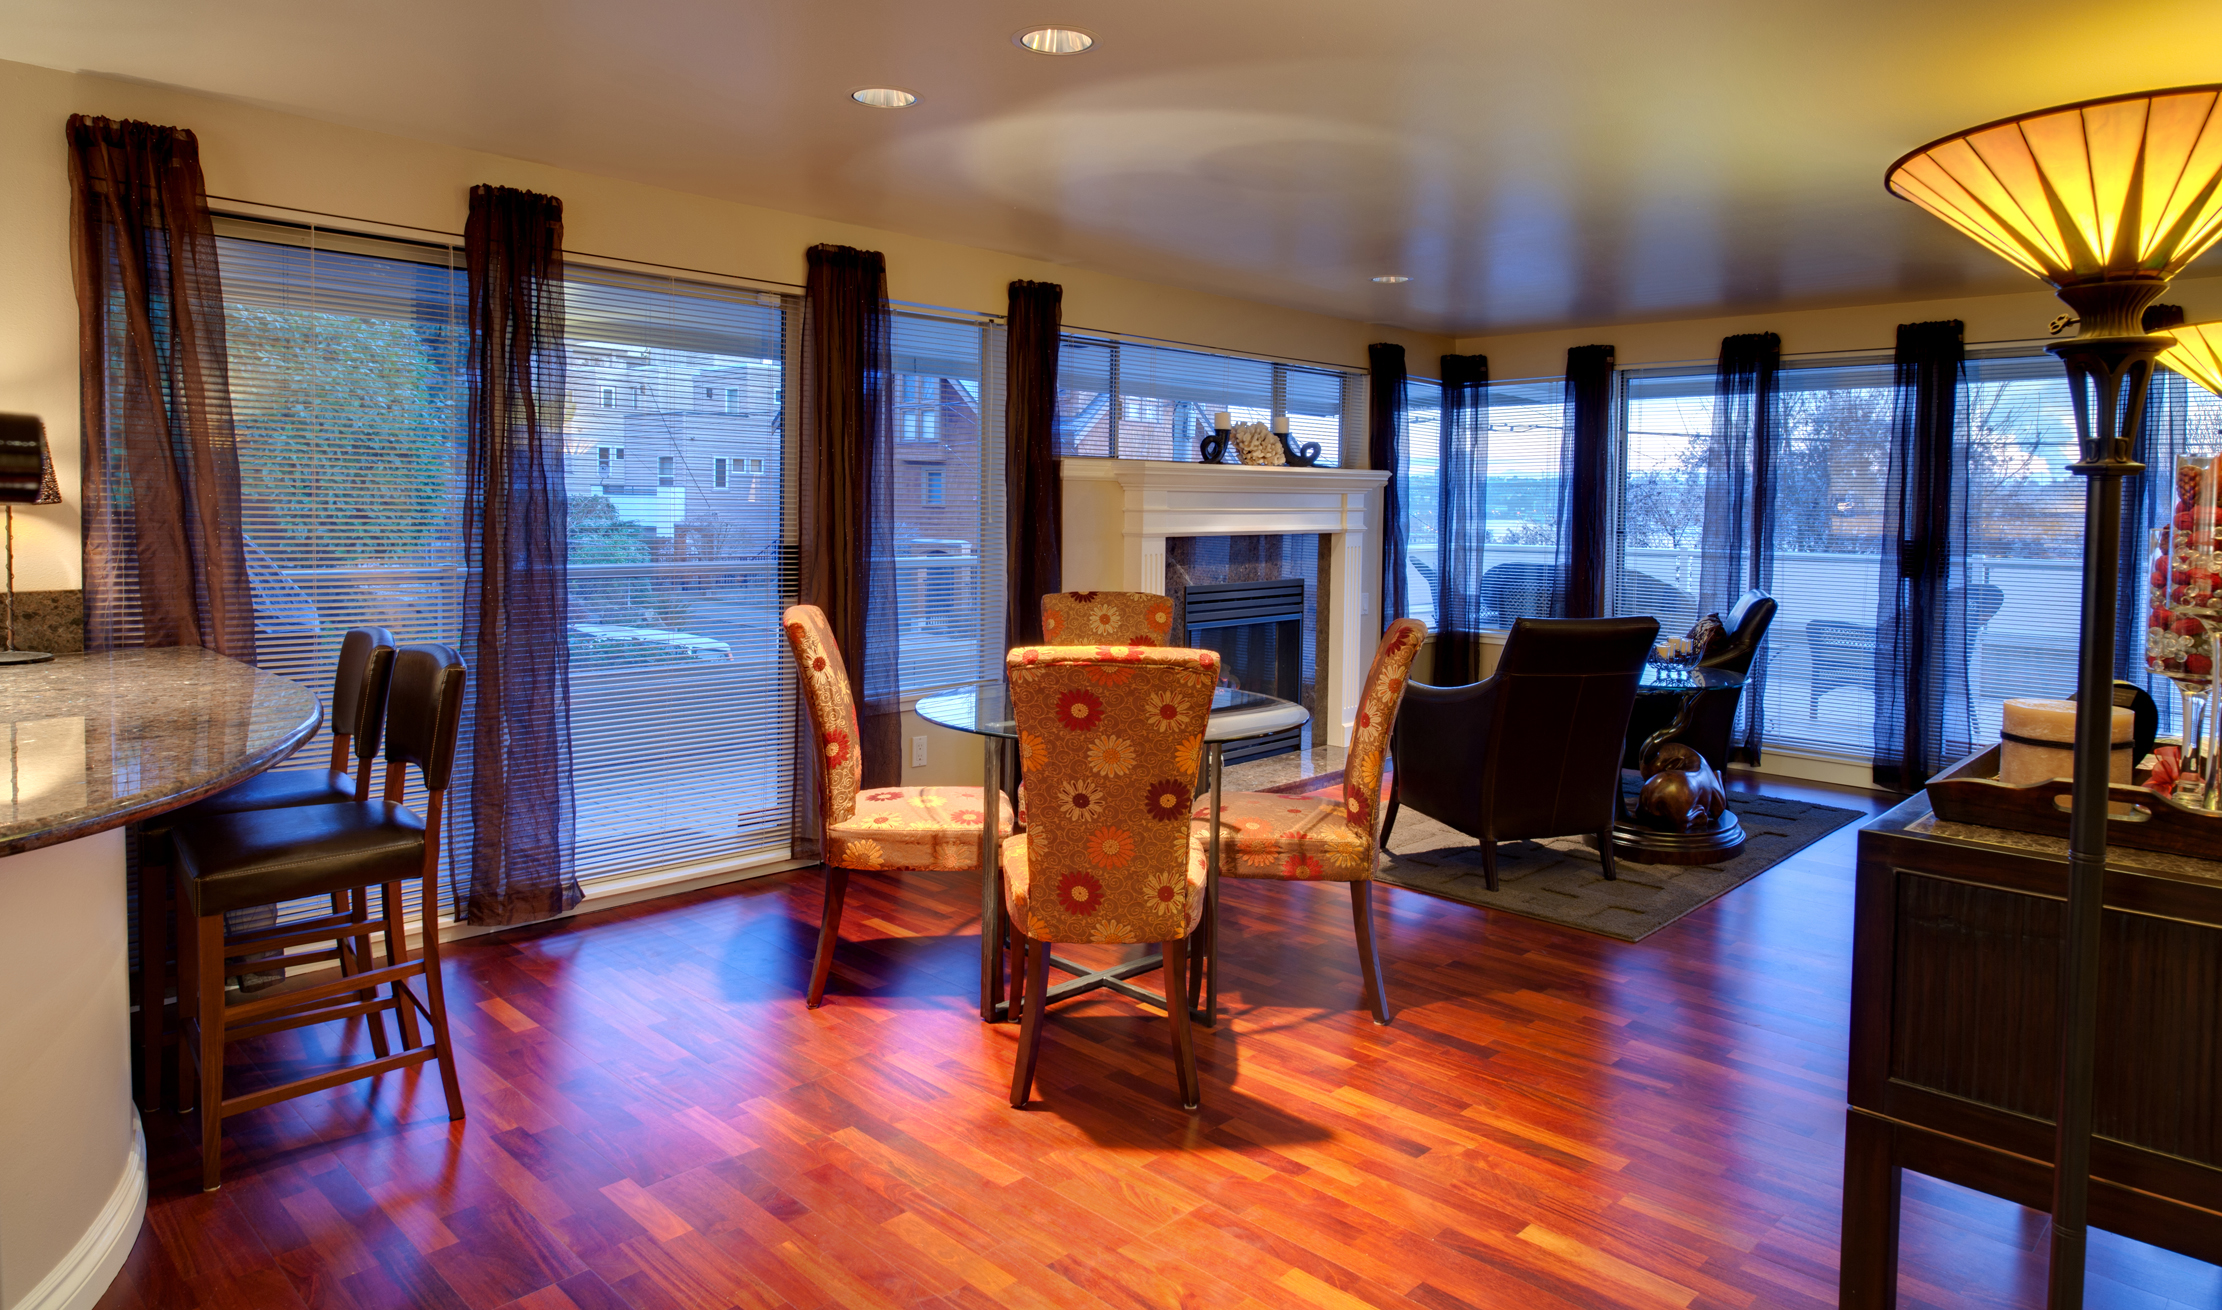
264	857
358	711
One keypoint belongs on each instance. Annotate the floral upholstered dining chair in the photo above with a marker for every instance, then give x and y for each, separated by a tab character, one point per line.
1111	737
870	828
1332	839
1106	618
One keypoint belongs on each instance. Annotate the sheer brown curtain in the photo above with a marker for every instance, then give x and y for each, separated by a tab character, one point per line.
164	561
1462	521
1033	489
1585	484
519	795
1385	417
847	564
1736	546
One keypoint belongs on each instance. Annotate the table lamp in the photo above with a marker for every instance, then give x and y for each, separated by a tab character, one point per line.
2106	200
26	478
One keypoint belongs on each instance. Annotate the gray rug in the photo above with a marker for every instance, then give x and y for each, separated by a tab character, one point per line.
1561	880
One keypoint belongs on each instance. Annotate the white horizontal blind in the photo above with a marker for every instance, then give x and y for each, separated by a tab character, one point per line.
1419	481
1132	401
948	500
681	694
348	402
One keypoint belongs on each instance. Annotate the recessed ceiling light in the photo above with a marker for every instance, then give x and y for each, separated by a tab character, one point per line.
1392	277
884	97
1055	40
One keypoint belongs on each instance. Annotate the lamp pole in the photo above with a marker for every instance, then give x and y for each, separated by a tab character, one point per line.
2108	374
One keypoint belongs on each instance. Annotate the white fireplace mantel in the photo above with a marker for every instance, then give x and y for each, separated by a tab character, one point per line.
1118	513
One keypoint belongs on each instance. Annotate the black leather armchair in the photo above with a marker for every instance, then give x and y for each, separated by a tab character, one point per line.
1711	718
1532	750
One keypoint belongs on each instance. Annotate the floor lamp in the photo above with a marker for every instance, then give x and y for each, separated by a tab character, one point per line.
2106	200
26	478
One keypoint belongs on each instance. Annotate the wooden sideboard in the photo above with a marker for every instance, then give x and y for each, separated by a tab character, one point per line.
1955	1042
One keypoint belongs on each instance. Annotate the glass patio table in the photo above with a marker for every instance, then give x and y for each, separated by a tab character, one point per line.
984	710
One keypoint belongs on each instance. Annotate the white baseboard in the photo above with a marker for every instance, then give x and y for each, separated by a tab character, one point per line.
83	1276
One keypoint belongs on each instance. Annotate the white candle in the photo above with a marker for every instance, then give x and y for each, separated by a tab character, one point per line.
1222	420
1280	425
2020	763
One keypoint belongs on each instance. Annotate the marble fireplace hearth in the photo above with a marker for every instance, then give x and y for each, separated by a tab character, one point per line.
1120	513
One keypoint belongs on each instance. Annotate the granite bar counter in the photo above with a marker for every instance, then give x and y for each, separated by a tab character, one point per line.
96	742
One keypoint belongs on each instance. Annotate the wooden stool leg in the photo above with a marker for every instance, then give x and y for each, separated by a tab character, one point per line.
208	1039
1184	1037
1369	956
358	911
397	950
829	930
154	972
188	989
1030	1029
436	996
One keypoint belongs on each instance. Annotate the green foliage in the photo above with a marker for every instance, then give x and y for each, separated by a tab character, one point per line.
349	434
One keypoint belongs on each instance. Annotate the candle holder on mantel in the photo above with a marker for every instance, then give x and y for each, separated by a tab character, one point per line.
1303	457
1214	447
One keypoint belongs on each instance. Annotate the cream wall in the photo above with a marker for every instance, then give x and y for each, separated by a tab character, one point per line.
1806	332
268	157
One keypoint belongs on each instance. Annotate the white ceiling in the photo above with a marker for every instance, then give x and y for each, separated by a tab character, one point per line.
1527	165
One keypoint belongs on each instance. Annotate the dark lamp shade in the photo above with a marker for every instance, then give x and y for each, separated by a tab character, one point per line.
26	469
2126	186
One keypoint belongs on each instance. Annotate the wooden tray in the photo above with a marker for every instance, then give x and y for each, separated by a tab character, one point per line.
1970	792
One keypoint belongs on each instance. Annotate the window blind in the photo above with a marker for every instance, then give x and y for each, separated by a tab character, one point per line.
1127	400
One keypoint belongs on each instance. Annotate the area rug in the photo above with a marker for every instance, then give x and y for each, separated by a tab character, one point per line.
1561	880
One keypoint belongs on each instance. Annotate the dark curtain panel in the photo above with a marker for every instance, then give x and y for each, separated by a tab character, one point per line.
164	562
1462	522
1585	457
1034	492
1923	714
1384	447
1737	548
847	566
516	540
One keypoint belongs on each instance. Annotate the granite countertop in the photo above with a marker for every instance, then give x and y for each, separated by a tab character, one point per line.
97	741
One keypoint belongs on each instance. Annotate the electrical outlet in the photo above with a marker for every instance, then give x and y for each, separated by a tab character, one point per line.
918	752
1365	603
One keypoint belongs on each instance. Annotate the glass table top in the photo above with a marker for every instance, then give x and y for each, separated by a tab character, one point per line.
1674	678
985	709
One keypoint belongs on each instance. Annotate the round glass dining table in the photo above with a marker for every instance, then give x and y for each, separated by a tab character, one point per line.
984	709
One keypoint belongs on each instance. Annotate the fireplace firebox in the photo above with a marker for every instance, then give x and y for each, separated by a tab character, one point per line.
1258	630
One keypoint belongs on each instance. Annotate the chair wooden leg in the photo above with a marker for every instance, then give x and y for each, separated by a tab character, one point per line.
397	952
208	1040
154	973
1013	960
1197	956
829	930
1388	819
435	996
1184	1036
1369	955
1030	1029
1604	854
356	950
1489	862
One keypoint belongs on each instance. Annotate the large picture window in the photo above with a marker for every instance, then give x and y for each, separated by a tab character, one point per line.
948	500
1515	541
1126	400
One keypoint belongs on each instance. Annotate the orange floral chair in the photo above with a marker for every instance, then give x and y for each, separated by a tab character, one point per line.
1097	618
1111	737
1311	839
880	828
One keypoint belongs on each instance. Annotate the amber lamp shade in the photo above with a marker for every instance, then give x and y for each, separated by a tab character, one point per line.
2106	199
2197	353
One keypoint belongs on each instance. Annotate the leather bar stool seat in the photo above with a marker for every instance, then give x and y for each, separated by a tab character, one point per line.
271	791
268	856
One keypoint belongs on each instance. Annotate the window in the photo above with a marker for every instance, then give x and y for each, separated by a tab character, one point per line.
948	595
732	400
665	476
1167	398
1518	535
682	708
721	475
609	398
756	466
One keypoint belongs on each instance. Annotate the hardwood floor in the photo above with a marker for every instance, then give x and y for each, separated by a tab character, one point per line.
1554	1120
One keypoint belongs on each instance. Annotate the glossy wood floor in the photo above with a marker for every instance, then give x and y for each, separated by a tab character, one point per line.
1554	1120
